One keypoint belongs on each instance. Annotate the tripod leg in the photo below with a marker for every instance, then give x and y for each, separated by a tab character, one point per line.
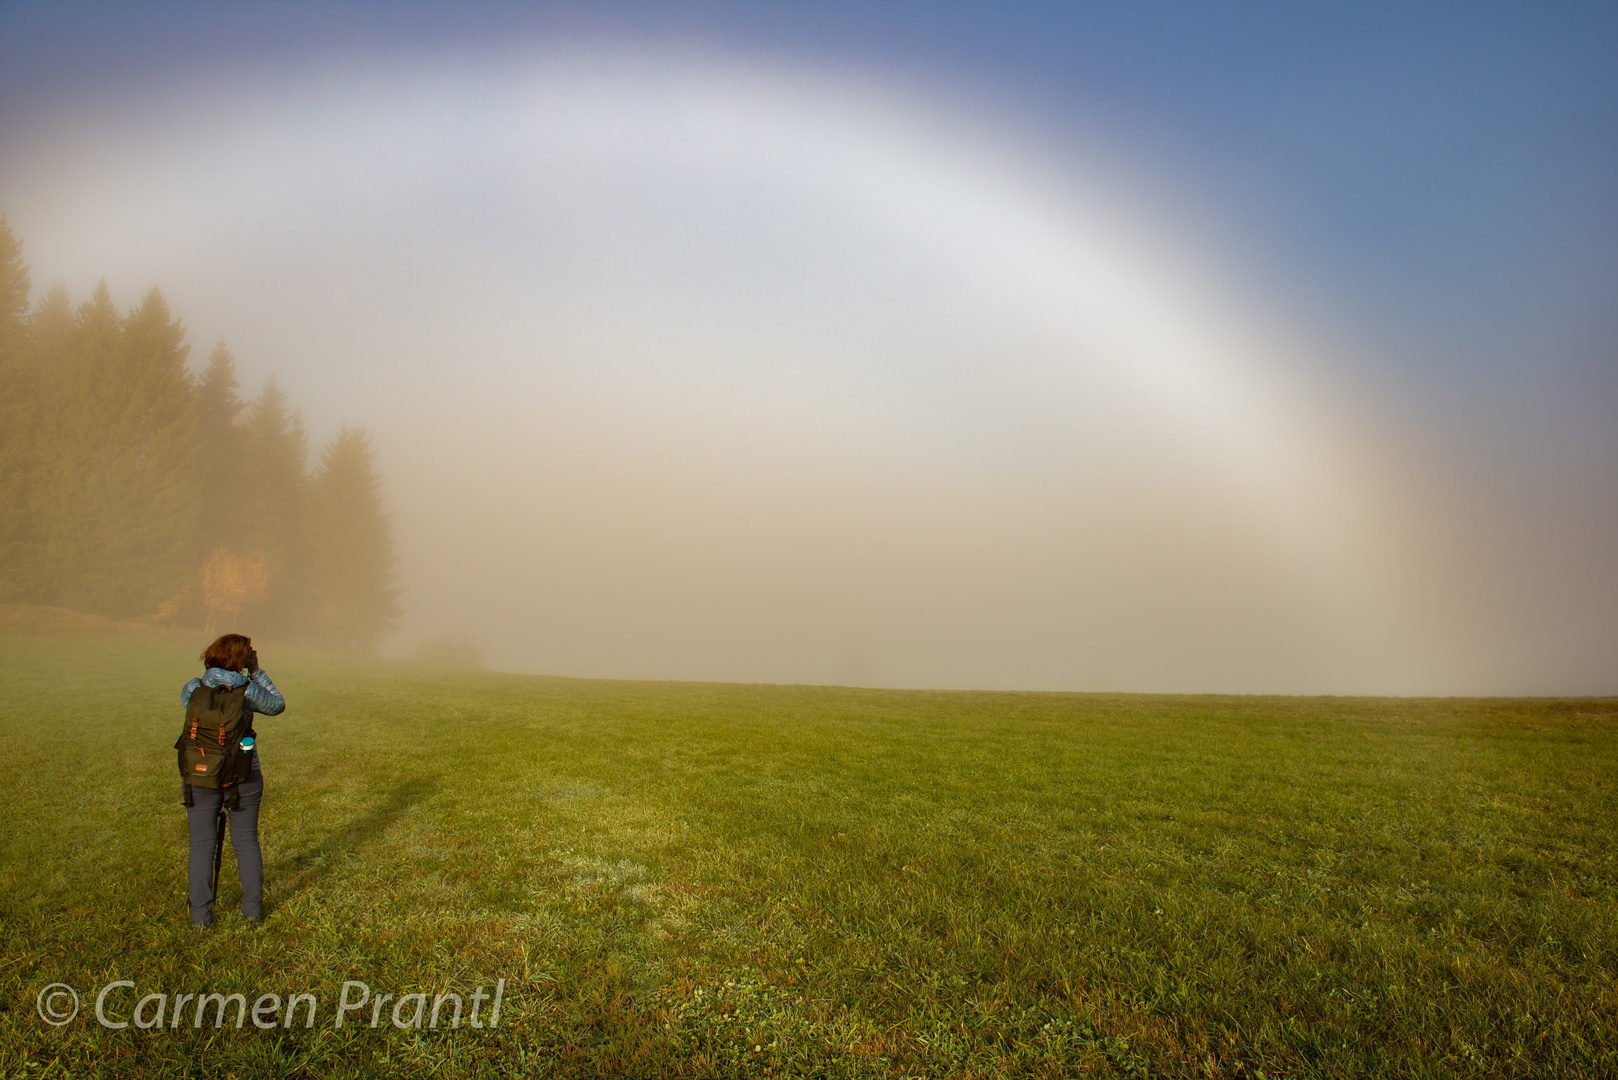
220	824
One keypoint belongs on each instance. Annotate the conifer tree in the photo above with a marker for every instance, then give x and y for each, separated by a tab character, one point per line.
50	326
222	440
128	487
33	424
18	393
273	487
75	406
118	499
353	546
14	286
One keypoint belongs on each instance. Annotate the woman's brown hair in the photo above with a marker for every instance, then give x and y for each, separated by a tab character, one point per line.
229	652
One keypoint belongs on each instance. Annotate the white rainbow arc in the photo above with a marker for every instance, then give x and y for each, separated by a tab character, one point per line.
1099	301
649	229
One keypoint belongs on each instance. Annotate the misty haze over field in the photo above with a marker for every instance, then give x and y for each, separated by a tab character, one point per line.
686	353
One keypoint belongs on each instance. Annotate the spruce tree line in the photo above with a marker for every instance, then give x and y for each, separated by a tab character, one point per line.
132	488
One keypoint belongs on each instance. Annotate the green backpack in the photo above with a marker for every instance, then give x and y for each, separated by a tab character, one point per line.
210	743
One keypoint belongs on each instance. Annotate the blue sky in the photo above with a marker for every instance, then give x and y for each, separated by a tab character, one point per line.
1401	214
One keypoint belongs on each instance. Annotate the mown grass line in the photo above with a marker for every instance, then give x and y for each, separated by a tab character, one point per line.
693	879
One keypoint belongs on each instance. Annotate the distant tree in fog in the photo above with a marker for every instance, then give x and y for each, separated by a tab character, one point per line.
274	483
218	593
18	391
221	416
28	443
117	485
130	488
230	583
14	286
352	543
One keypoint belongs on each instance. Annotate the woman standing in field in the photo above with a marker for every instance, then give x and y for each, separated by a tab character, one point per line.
231	663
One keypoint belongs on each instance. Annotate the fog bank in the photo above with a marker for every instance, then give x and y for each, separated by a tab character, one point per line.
723	371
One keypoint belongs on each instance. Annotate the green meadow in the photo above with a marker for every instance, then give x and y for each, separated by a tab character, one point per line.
680	879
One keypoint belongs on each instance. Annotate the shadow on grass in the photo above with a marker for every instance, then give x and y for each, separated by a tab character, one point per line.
298	872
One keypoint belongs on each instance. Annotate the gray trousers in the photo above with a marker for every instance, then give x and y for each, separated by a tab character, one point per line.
243	840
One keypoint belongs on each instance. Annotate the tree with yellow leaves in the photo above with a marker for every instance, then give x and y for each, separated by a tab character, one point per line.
227	583
231	582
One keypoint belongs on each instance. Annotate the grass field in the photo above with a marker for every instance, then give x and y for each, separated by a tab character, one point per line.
688	879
